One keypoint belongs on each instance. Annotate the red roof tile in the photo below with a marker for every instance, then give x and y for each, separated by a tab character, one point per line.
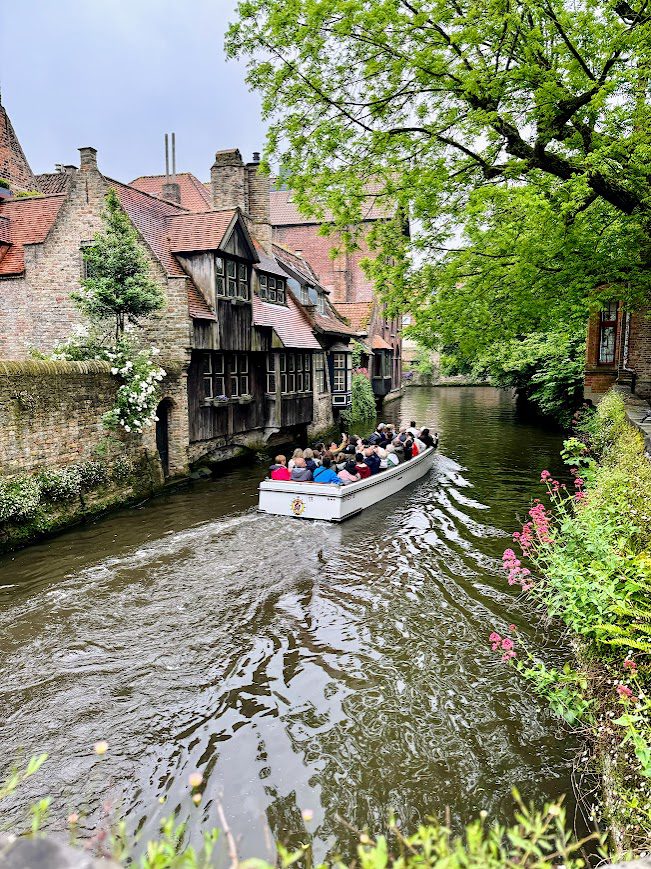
30	221
358	313
268	263
378	343
285	213
298	263
198	307
194	195
331	323
150	216
199	230
54	182
289	323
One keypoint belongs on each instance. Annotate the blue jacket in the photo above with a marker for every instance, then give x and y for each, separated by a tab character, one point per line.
373	462
326	475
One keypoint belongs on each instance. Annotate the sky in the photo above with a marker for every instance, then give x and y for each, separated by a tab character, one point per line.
119	74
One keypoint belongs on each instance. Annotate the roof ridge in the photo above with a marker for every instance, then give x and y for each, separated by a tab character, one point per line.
32	197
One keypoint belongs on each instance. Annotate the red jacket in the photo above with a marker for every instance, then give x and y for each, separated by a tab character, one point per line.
281	473
363	470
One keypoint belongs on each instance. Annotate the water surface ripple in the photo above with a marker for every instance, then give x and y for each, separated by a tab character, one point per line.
341	669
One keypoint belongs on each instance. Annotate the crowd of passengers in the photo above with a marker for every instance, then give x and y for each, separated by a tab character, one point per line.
354	458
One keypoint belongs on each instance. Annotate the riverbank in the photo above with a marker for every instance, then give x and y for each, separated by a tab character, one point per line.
589	549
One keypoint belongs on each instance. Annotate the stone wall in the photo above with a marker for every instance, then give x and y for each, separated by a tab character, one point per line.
51	419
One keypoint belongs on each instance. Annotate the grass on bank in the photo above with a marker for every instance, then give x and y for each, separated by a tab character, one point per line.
589	548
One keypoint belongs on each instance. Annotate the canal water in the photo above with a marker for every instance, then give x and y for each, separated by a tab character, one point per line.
343	671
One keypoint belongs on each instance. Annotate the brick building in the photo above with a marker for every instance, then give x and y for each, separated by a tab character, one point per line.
351	291
239	346
618	351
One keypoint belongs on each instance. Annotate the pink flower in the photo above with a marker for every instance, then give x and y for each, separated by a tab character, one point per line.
495	640
509	555
507	644
630	665
512	628
508	655
624	692
544	476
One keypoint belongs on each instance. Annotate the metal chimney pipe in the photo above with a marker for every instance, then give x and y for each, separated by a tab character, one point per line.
167	159
173	157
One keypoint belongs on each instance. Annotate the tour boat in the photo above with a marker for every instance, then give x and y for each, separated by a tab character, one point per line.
333	503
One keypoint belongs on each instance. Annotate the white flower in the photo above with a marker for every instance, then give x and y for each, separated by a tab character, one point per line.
114	370
127	428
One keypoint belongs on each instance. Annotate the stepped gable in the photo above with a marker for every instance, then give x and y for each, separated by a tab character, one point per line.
25	221
13	163
194	195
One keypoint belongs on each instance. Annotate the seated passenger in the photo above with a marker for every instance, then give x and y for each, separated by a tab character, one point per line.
392	458
383	456
412	429
349	474
400	438
341	460
420	446
427	438
361	467
325	474
408	448
377	439
338	447
372	459
279	470
297	454
310	462
300	472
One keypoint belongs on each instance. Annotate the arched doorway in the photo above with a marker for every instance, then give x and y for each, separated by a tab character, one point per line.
163	434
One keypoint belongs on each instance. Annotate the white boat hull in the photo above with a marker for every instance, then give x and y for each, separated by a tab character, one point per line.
333	503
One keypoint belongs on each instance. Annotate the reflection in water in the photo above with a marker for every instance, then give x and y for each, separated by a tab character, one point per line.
341	669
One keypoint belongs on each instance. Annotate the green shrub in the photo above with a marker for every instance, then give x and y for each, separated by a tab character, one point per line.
92	475
122	469
63	485
20	498
363	399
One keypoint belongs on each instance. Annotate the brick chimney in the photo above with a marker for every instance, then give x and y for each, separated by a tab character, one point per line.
259	208
171	190
88	159
228	180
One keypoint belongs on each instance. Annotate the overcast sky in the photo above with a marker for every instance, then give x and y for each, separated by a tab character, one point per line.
117	75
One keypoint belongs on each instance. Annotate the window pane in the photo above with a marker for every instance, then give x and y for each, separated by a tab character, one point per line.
244	384
272	282
244	364
283	363
291	383
207	364
607	344
219	286
283	382
299	381
308	382
230	268
271	382
234	385
263	280
220	385
242	272
232	287
219	363
219	265
272	294
291	362
207	387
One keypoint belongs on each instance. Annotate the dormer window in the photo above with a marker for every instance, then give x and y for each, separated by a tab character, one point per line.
272	289
231	279
321	304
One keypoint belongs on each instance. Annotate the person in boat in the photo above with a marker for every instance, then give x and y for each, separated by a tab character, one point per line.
378	438
310	461
325	474
401	437
408	448
427	438
338	447
341	460
297	454
372	459
382	454
419	445
300	472
361	467
392	458
279	470
349	474
412	429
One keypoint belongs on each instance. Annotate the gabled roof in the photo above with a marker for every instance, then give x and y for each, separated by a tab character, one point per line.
194	195
378	343
13	163
268	263
204	230
54	182
297	263
358	313
285	213
30	221
150	216
289	323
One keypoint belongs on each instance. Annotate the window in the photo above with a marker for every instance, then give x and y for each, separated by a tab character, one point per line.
321	304
86	267
212	372
271	373
231	279
272	289
295	372
607	333
319	372
340	372
239	374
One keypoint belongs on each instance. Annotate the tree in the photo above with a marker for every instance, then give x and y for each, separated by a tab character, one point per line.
515	133
118	285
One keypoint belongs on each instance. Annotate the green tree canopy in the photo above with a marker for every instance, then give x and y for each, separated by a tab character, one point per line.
515	134
118	285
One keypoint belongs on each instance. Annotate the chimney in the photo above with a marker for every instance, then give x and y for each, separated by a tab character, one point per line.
88	159
256	156
171	189
228	181
259	208
68	168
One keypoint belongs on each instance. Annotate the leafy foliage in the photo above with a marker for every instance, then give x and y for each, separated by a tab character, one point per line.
118	286
20	497
515	136
363	400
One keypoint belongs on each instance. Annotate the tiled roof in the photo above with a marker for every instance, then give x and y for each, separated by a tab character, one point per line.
378	343
30	221
150	216
295	262
285	213
333	324
289	323
358	313
13	163
194	195
198	307
203	230
54	182
268	263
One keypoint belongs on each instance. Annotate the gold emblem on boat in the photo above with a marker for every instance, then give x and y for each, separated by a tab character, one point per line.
298	507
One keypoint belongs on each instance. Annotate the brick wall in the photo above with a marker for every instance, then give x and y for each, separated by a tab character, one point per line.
639	353
343	276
